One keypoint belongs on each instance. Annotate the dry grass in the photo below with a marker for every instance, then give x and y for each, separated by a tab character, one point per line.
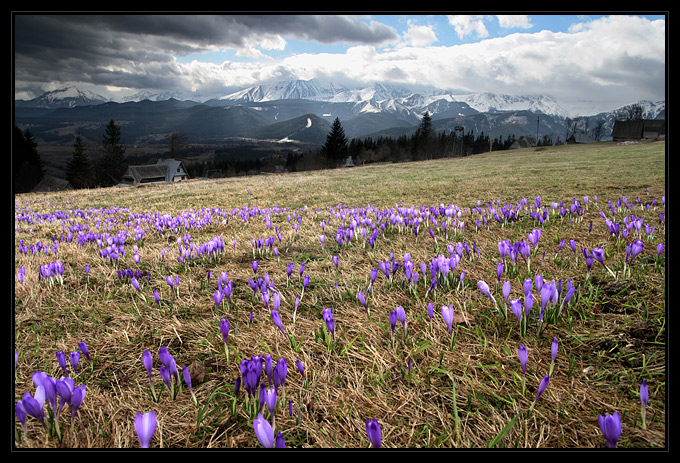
611	338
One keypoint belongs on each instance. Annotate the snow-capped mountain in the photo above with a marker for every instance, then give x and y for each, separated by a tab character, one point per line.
363	110
152	96
285	90
67	97
386	98
487	102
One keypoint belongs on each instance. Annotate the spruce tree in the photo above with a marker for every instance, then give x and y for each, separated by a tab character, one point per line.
27	167
336	146
79	170
422	145
111	165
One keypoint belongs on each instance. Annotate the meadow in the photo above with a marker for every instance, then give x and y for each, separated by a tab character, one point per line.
511	299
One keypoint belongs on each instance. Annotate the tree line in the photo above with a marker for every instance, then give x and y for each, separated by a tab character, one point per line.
107	166
104	169
422	145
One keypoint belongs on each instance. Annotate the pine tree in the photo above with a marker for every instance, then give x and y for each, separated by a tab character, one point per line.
336	146
422	139
79	170
27	167
111	165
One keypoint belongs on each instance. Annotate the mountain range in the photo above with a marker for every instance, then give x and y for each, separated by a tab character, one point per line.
302	111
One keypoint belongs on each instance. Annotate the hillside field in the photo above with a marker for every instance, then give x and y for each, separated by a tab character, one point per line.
579	228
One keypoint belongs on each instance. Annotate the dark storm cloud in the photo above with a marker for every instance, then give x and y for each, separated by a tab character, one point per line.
133	37
123	50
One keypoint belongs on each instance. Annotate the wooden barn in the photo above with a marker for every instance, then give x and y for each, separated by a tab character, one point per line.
577	138
523	142
164	171
638	129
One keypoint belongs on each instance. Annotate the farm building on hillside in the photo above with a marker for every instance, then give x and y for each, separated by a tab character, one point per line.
523	142
164	171
638	129
579	138
52	183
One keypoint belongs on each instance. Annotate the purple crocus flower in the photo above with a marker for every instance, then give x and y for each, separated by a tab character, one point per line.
598	254
61	359
636	247
523	358
534	236
644	392
401	315
447	315
217	298
644	398
166	377
45	389
83	348
270	399
224	329
264	432
64	387
77	397
75	357
279	443
328	319
280	372
254	266
335	261
516	307
362	299
33	406
187	379
20	412
276	318
610	425
542	386
373	432
506	291
164	356
499	270
300	368
430	310
145	426
268	369
538	282
393	320
484	288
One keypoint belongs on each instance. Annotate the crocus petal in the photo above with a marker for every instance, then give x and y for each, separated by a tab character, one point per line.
373	432
264	432
145	426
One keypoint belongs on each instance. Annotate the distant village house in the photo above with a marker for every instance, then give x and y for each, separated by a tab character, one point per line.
164	171
639	129
523	142
579	137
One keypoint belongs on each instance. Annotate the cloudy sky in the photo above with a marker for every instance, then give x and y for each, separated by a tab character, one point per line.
608	60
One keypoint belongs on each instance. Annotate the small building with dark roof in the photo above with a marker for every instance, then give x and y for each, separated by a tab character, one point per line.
164	171
638	129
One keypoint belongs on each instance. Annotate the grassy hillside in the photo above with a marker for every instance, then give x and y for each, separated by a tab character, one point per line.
426	386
